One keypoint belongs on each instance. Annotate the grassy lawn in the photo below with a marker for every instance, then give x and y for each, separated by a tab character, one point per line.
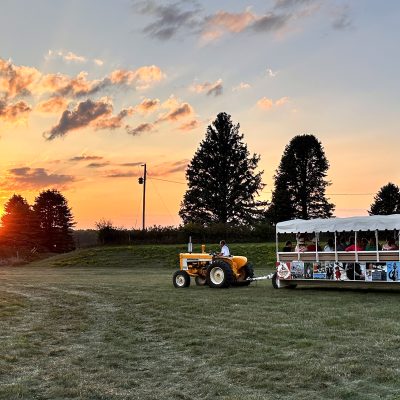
106	323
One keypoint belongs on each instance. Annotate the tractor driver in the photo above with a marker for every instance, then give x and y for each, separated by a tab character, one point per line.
224	249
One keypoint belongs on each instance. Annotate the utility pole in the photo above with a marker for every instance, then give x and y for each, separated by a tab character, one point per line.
142	181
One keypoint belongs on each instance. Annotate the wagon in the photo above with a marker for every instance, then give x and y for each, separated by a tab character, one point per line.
357	267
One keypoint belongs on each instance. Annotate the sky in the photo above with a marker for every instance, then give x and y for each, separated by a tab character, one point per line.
90	90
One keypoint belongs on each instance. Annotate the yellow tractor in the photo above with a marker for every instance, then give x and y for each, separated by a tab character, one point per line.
212	270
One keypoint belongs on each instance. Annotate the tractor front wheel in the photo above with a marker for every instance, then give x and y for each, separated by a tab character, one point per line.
181	279
219	274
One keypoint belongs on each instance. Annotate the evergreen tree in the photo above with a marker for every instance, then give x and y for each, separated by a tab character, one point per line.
300	182
55	221
386	201
18	223
221	178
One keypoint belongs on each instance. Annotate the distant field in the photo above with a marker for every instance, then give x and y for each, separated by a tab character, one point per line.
106	323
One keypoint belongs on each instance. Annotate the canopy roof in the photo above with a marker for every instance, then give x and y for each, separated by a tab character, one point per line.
371	223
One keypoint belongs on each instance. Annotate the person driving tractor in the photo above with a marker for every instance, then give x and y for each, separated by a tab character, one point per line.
224	249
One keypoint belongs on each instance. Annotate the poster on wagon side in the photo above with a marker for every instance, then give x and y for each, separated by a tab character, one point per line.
376	271
393	271
297	270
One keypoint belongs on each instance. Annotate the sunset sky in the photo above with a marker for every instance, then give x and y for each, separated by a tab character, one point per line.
89	90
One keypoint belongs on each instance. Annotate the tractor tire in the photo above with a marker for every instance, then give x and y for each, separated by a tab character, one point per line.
181	279
200	281
248	273
219	274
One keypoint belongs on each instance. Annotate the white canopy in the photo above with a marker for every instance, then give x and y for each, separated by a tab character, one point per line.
371	223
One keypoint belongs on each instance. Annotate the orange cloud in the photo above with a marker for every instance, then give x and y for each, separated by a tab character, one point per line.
14	113
17	80
148	106
67	86
267	104
52	105
141	77
20	80
115	121
177	110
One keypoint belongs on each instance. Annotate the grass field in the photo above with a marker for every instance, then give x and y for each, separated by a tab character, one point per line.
106	323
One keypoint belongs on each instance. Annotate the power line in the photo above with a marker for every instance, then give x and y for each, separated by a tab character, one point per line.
166	180
268	191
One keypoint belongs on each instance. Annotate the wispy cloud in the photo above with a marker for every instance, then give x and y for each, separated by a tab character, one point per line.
241	86
271	74
190	125
169	19
98	164
120	174
210	89
181	18
71	57
34	178
341	18
86	157
142	128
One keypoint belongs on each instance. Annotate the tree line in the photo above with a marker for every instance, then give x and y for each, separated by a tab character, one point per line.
45	226
224	184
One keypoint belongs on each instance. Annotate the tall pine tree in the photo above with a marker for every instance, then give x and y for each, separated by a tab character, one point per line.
56	221
386	201
19	227
300	182
222	178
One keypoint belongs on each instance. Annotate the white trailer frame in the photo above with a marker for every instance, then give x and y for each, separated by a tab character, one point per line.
335	226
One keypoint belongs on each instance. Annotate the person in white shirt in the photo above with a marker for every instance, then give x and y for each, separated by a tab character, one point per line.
224	249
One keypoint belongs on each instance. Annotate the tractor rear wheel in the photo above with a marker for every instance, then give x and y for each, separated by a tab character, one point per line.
181	279
200	281
219	274
246	272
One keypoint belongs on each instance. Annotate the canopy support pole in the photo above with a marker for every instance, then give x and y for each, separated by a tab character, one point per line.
336	254
277	246
355	245
377	245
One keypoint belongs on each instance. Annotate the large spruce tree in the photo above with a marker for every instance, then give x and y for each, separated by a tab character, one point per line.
386	201
300	182
55	219
222	178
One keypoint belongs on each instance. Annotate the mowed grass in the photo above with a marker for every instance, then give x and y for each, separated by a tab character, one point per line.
106	323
